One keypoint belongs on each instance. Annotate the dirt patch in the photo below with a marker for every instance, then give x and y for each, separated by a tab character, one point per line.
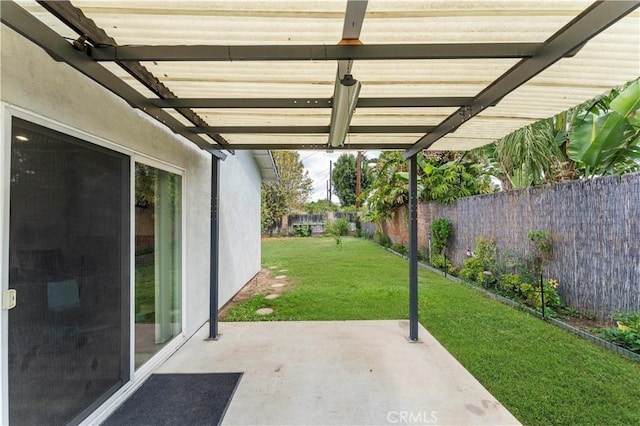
260	284
586	324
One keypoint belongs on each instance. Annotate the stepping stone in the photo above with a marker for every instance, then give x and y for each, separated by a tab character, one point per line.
271	296
280	277
273	267
283	270
277	285
264	311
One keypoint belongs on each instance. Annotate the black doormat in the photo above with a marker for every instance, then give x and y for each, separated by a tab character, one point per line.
178	399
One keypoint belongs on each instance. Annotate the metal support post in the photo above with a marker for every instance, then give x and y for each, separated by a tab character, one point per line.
215	248
413	249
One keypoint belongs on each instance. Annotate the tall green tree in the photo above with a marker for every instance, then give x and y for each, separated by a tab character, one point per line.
320	206
290	193
530	155
442	177
344	178
388	190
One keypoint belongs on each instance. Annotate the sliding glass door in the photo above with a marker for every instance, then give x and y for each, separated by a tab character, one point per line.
158	260
69	262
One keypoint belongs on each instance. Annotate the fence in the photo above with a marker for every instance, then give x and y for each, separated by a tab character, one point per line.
317	221
595	228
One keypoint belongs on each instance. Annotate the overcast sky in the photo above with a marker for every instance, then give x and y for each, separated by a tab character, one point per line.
317	164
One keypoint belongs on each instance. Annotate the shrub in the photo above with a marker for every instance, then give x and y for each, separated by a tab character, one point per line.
472	270
440	232
382	239
630	321
441	262
337	229
532	294
627	334
399	248
541	253
509	285
625	338
358	227
423	253
482	268
303	230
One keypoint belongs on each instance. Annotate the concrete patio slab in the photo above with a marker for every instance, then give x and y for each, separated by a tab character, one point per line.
339	372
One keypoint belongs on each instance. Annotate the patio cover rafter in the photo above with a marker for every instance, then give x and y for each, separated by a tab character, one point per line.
375	146
309	129
210	53
83	26
30	27
595	19
409	102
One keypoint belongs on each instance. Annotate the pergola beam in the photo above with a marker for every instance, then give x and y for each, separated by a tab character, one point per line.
374	146
258	103
33	29
320	52
308	129
595	19
83	26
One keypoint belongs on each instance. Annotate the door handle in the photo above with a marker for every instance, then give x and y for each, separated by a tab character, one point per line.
9	298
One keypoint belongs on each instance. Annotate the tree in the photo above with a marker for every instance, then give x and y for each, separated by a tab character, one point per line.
290	193
442	177
530	155
320	206
273	206
344	178
388	190
294	179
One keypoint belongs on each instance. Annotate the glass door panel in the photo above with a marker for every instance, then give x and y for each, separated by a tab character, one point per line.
69	263
158	285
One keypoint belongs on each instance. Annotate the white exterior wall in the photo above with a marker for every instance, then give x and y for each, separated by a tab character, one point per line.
33	83
239	223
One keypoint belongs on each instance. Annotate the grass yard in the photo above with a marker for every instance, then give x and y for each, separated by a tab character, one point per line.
542	374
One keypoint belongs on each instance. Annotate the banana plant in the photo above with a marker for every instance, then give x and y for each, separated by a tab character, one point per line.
608	143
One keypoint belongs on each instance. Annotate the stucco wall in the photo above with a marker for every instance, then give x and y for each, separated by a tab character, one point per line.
32	81
239	223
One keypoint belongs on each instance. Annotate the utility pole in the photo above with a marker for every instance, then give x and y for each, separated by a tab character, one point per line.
358	177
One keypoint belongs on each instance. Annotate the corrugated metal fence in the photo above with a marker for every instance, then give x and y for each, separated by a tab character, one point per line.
595	227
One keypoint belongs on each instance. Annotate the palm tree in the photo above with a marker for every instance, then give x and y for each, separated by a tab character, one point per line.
530	155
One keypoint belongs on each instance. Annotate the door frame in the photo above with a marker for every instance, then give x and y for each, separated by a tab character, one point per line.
136	378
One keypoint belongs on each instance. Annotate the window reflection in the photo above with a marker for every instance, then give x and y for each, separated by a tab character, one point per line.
158	256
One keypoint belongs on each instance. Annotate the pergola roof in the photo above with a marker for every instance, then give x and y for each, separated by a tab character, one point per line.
446	75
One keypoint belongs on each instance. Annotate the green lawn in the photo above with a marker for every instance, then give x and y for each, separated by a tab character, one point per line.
542	374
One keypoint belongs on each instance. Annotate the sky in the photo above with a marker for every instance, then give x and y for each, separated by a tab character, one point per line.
317	164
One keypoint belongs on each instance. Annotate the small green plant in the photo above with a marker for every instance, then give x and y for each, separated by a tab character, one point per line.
542	252
382	239
399	248
441	230
337	229
303	230
629	320
423	254
509	285
441	262
482	268
358	227
625	338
